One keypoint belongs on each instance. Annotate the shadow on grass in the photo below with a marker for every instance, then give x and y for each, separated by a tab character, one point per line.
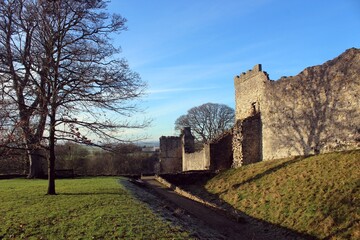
89	193
198	189
341	230
270	171
243	218
170	211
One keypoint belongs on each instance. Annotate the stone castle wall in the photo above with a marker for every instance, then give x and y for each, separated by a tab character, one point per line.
247	141
221	154
250	98
199	160
311	113
170	156
315	111
191	159
178	153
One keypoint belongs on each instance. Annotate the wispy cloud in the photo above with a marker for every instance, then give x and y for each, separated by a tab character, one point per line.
189	51
173	90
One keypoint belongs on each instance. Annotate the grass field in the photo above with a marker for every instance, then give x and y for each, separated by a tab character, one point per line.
89	208
318	195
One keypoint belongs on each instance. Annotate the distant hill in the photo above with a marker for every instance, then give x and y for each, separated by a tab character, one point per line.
317	195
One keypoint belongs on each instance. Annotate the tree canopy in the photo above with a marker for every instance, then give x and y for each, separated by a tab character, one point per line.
61	74
207	121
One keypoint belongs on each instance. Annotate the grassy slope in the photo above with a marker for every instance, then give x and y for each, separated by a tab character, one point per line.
94	208
318	195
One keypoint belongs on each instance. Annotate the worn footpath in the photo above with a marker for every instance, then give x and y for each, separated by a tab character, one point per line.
207	223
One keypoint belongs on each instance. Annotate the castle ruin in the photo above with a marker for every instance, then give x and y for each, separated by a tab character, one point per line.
180	152
315	111
170	158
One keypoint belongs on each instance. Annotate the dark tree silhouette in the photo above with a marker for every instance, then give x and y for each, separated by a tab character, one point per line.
207	121
60	69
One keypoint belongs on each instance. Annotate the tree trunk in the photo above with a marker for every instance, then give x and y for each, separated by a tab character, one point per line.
51	176
51	161
35	166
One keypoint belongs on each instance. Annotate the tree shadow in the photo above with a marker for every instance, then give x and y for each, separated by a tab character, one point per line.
341	230
270	171
198	189
316	110
88	193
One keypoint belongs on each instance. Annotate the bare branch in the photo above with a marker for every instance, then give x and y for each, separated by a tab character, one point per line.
207	121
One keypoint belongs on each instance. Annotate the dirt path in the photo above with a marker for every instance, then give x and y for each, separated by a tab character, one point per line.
224	226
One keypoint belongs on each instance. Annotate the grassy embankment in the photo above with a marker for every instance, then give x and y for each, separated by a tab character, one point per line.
93	208
318	195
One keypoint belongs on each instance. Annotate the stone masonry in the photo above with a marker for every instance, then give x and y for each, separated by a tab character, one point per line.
191	159
170	158
249	98
315	111
178	153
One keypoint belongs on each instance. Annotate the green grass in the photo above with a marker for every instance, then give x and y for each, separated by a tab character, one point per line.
318	195
89	208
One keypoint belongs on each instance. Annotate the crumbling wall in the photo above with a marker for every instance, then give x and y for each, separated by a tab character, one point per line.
178	154
247	141
237	146
221	154
170	157
250	97
191	160
199	160
315	111
188	140
216	155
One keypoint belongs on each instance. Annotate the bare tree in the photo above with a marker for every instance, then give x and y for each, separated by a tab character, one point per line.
7	130
71	81
207	121
18	60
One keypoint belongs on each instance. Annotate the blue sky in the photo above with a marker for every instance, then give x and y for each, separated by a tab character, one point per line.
188	51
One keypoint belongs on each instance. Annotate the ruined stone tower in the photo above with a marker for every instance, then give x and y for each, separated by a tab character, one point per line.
188	140
249	92
249	97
